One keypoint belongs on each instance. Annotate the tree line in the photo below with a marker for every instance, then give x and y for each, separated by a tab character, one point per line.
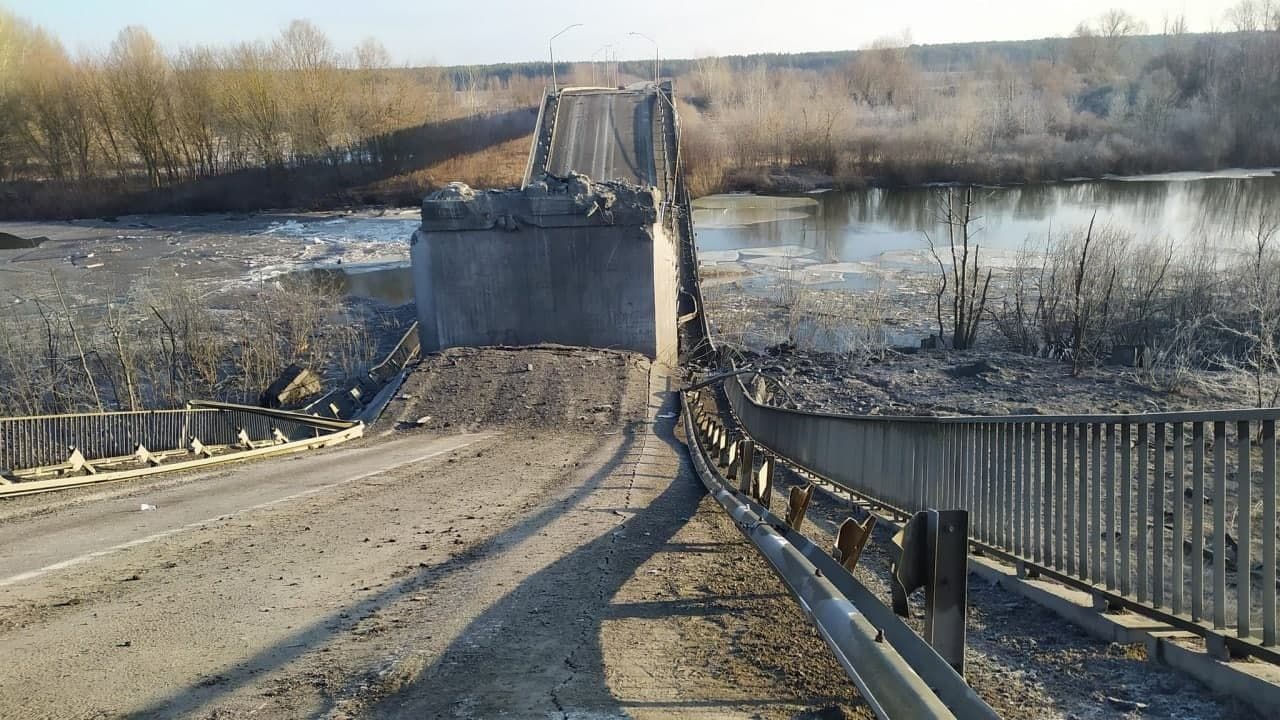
1112	97
137	112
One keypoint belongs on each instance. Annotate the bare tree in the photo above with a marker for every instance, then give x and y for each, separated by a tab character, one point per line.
966	286
136	75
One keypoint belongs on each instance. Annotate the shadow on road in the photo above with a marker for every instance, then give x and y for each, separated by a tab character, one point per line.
538	650
318	634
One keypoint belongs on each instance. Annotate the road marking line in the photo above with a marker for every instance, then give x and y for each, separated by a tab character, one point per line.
62	565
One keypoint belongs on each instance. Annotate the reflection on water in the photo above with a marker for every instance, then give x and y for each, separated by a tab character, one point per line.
1187	210
390	284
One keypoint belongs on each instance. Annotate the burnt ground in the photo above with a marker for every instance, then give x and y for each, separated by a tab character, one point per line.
858	351
980	382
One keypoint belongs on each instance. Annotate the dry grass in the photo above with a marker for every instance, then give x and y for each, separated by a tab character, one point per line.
167	342
499	166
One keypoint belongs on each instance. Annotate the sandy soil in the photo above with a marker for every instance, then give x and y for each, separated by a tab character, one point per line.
504	387
560	568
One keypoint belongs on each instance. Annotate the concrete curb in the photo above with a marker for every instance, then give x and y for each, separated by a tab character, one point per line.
1253	683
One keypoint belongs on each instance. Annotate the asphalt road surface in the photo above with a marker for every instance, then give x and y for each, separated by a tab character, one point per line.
605	135
559	568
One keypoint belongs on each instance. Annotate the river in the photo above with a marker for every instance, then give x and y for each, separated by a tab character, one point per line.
850	235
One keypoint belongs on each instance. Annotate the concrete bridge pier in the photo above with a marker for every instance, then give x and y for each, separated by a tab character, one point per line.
571	262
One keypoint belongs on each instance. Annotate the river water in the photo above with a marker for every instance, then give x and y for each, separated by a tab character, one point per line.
847	237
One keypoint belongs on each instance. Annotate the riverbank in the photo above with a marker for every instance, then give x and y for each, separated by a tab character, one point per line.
150	311
842	287
796	179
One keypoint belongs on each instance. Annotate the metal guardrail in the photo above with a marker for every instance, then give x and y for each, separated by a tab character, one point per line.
1147	512
537	140
405	352
47	440
896	670
697	339
55	452
350	401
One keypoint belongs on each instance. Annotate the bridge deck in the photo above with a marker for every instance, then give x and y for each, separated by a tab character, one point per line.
606	135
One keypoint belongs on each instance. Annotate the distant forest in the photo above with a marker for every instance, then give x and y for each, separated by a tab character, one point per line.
296	121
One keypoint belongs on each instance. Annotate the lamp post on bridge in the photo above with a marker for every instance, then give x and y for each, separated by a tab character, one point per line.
551	51
655	55
606	49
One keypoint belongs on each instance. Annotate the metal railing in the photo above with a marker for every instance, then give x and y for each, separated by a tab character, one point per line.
897	672
547	96
405	352
36	441
1172	515
350	401
48	440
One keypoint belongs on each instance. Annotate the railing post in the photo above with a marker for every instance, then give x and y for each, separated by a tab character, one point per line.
1177	552
1028	502
1244	530
1219	525
1082	509
1144	512
1157	514
1126	509
1197	520
1095	509
1037	490
1269	533
1111	507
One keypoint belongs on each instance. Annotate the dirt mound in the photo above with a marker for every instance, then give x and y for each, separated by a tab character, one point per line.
546	386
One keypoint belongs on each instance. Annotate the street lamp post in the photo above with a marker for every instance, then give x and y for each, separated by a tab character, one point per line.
655	54
551	51
606	49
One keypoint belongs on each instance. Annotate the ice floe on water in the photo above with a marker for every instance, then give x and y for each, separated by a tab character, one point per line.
841	268
711	257
778	251
354	229
780	263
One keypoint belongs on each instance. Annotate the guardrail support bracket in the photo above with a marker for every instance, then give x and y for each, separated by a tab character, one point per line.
145	457
934	556
198	448
850	541
77	463
797	505
762	482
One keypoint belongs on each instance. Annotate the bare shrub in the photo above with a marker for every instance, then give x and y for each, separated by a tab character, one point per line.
960	281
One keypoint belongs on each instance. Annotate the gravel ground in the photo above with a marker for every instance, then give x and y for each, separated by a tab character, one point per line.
989	382
513	387
1025	661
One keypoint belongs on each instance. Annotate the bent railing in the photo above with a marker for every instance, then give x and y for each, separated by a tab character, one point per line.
1172	515
352	400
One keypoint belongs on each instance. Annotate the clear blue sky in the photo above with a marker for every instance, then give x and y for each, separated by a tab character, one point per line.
475	31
